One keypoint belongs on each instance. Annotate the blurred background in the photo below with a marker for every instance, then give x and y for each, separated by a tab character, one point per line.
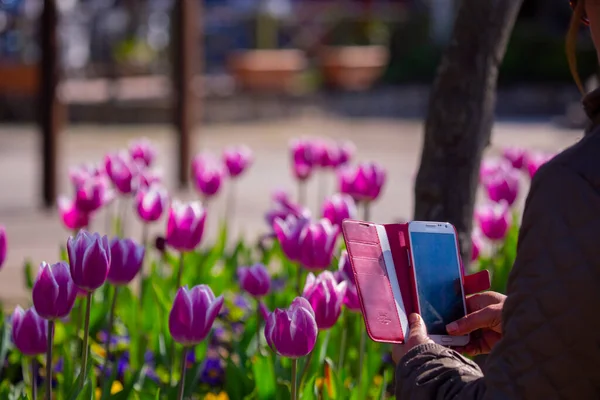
261	72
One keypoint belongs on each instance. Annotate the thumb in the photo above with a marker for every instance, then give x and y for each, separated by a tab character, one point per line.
418	332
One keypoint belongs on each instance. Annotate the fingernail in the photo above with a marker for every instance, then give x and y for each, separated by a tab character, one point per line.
413	318
452	327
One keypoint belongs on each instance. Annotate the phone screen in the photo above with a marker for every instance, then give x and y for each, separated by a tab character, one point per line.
438	279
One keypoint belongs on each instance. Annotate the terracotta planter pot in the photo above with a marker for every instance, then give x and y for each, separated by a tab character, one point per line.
268	70
20	79
353	67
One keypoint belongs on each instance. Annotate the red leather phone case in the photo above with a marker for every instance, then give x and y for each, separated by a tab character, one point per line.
380	259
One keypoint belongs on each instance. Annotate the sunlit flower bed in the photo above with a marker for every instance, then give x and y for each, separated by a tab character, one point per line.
115	317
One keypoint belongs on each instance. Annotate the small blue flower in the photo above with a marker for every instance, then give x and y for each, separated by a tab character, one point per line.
213	372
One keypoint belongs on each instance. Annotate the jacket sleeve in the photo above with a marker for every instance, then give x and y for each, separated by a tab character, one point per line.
549	308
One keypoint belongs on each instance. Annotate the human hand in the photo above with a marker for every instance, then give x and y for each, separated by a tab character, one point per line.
417	335
483	322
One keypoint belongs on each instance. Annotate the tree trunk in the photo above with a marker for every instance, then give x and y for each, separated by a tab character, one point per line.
461	113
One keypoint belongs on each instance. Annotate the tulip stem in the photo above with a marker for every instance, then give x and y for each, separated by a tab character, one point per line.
182	379
145	232
49	360
180	272
343	341
295	379
361	354
111	322
33	379
124	210
366	211
230	205
302	193
306	365
258	318
299	280
321	189
86	331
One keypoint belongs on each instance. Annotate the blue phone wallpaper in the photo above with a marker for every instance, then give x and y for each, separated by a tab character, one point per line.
438	279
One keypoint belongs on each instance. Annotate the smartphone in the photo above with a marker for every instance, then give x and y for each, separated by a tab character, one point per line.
437	278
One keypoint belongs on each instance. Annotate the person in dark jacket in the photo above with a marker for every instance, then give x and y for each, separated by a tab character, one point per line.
543	338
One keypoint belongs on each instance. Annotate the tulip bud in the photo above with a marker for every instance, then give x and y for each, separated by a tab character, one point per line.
71	217
344	271
303	158
516	156
293	332
3	245
476	247
255	280
503	186
93	194
81	173
237	159
89	259
363	182
326	297
494	220
317	243
492	167
121	170
151	202
535	160
208	174
351	299
54	292
284	206
326	153
338	208
346	151
29	332
126	259
193	314
146	178
185	225
288	233
143	150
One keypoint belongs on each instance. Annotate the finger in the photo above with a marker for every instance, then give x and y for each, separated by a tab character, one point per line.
485	318
418	331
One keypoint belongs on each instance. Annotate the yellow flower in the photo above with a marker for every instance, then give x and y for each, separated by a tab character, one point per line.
378	380
115	388
98	350
220	396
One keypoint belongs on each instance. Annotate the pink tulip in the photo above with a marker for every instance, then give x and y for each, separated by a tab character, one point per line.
293	332
89	259
493	166
92	194
344	271
254	280
237	159
535	161
143	150
326	153
81	173
288	233
303	158
122	171
317	243
351	299
494	220
339	207
54	291
193	314
363	182
477	245
29	332
208	174
150	203
3	245
516	156
346	151
147	178
284	206
71	217
503	186
326	296
127	258
185	226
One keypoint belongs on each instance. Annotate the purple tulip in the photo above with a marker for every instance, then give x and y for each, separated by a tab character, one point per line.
71	217
54	291
150	203
326	296
264	310
284	206
126	259
29	332
93	194
338	208
535	161
143	150
346	151
146	178
317	243
81	173
494	220
351	299
493	166
89	259
255	280
122	170
185	225
193	314
208	174
516	156
477	245
288	233
237	159
326	153
3	245
503	186
363	182
303	158
293	332
344	271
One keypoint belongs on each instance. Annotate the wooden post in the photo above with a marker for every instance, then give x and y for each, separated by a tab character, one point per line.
49	104
187	57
